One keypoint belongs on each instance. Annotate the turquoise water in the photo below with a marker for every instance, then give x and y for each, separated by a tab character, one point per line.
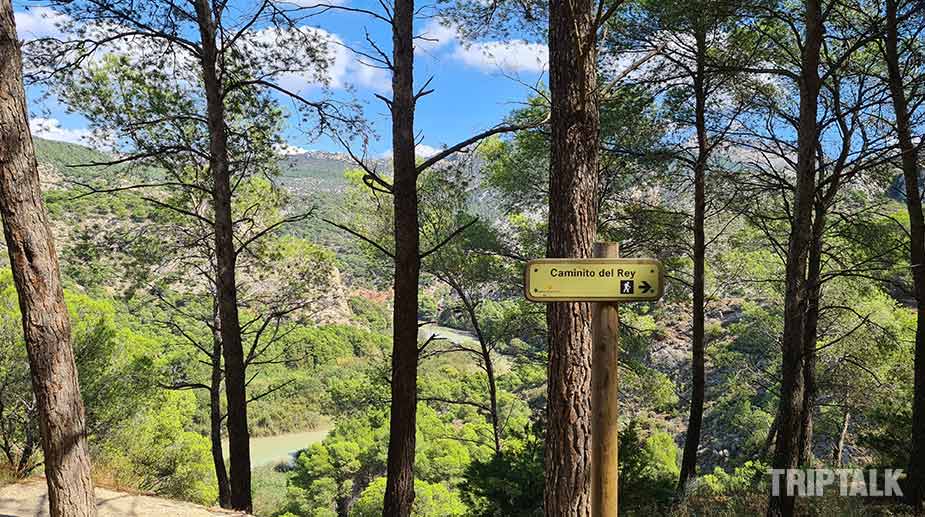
270	450
451	335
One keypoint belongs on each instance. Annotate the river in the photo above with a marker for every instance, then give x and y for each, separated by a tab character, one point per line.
451	335
271	450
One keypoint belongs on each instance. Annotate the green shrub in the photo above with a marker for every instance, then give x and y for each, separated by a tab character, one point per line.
713	330
648	466
740	480
427	307
454	318
431	500
154	452
269	488
509	484
375	316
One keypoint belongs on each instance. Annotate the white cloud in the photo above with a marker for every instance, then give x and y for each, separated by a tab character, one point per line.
38	22
270	47
50	129
344	67
507	56
143	53
421	150
425	150
273	49
435	36
288	149
490	56
362	74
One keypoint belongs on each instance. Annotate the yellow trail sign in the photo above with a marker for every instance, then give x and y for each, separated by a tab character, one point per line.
594	280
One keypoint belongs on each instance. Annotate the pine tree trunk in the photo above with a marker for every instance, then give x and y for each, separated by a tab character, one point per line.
770	438
487	362
226	258
787	454
698	342
399	493
215	414
34	262
215	435
573	178
26	465
839	450
492	399
916	491
810	331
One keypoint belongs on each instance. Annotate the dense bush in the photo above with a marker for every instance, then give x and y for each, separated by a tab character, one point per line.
509	484
649	466
430	500
154	452
371	314
427	307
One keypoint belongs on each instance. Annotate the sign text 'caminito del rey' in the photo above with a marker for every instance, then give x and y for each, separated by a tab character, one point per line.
594	280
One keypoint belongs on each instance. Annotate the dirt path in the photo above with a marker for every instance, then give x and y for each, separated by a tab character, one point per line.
30	499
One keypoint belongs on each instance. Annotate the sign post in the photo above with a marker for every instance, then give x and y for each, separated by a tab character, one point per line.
603	280
605	328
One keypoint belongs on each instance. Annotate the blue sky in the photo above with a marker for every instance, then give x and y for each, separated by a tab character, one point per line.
476	85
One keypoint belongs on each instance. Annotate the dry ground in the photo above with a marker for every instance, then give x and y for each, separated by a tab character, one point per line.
30	499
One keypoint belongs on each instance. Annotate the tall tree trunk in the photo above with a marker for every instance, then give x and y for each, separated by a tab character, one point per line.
916	491
215	413
34	262
573	177
786	454
399	491
492	398
839	449
226	258
810	331
488	363
26	465
770	438
484	354
698	342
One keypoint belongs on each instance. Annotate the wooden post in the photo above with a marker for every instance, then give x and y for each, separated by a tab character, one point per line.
605	324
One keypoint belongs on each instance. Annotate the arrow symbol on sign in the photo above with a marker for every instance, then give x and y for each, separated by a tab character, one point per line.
645	286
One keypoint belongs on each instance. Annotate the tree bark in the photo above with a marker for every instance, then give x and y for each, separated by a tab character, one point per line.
916	491
770	438
226	258
25	465
839	450
488	364
810	331
573	179
215	413
698	342
492	398
399	492
786	454
34	261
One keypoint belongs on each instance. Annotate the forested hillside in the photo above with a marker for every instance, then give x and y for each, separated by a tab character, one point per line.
195	306
146	334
